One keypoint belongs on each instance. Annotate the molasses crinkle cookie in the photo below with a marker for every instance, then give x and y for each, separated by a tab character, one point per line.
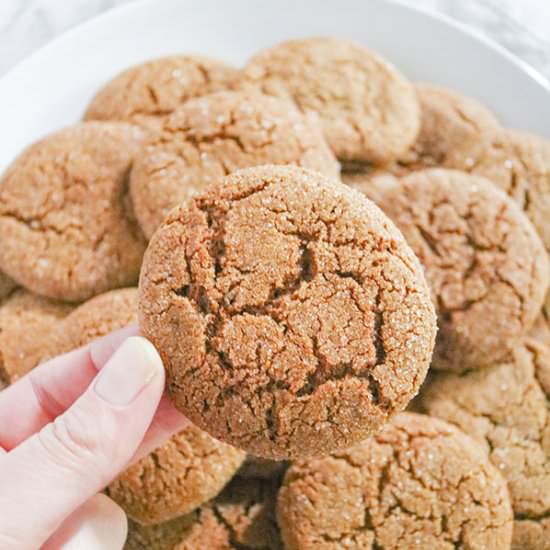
419	483
486	265
506	407
67	226
188	470
214	135
292	317
147	93
26	324
368	111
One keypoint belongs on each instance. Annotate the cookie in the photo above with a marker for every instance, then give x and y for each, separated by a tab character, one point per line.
262	468
241	518
26	322
67	227
93	319
420	483
188	470
456	132
372	183
291	316
520	165
506	407
214	135
368	111
486	266
147	93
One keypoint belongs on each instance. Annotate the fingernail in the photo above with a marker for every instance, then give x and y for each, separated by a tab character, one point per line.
102	349
130	369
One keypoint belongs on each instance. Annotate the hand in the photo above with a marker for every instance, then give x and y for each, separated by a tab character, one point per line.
66	431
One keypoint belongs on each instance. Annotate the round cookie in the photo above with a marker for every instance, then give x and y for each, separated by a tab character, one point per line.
93	319
291	316
150	91
456	132
372	183
520	165
67	228
26	322
420	483
187	471
368	111
486	266
241	518
262	468
506	407
214	135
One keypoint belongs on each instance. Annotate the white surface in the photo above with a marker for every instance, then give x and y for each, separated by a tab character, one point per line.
51	88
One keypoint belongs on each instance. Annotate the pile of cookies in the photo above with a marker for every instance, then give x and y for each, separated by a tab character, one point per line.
346	276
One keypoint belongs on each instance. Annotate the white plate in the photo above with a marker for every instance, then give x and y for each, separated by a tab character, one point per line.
51	88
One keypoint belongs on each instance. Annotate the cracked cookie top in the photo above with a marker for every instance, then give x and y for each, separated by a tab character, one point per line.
420	483
67	227
486	265
368	111
291	316
93	319
188	470
26	322
242	517
149	92
212	136
506	407
456	132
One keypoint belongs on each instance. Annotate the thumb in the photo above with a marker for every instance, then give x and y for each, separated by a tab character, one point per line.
55	471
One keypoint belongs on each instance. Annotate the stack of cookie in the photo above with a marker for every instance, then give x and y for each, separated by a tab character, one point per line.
312	234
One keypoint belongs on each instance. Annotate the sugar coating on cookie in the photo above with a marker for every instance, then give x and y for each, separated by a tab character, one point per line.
456	132
291	315
188	470
241	518
506	407
26	322
486	266
420	483
368	111
212	136
150	91
68	230
93	319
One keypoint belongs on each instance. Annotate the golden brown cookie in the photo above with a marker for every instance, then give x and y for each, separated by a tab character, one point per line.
214	135
420	483
456	132
188	470
368	111
486	266
291	316
262	468
26	322
67	228
150	91
372	183
520	165
93	319
241	518
506	407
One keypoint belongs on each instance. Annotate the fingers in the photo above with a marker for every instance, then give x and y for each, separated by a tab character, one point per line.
68	461
99	524
49	389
